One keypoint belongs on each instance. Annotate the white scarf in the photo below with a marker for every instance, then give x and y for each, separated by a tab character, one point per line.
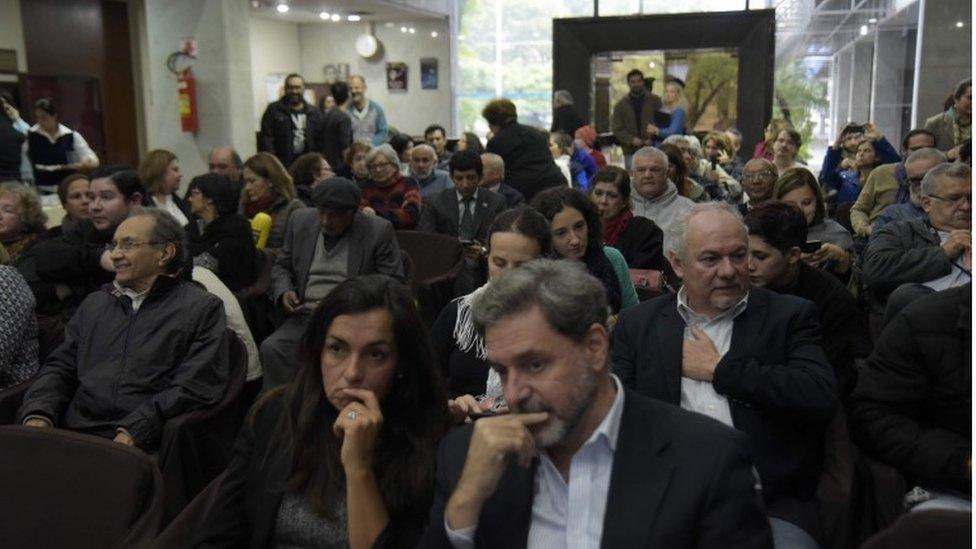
467	339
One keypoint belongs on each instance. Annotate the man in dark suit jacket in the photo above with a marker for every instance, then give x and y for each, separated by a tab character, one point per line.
336	132
750	358
323	247
493	179
639	475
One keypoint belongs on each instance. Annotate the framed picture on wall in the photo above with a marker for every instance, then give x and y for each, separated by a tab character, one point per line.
428	73
396	77
335	72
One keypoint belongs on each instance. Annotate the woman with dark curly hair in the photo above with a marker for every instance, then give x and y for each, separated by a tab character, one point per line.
577	235
344	456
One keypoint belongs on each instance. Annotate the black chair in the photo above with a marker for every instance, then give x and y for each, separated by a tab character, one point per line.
438	261
179	533
930	528
10	401
255	304
197	446
66	489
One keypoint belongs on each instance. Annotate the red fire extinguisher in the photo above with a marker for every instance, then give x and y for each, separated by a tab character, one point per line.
187	86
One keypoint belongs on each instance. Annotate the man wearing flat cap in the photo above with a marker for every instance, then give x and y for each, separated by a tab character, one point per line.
323	246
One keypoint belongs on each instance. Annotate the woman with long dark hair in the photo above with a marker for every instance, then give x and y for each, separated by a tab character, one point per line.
639	239
344	456
577	235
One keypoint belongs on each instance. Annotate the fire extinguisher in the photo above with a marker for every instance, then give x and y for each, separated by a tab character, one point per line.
187	86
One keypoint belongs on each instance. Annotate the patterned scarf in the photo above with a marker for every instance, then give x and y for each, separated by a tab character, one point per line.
615	226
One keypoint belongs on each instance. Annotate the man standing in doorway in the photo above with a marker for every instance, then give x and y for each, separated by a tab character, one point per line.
632	114
290	126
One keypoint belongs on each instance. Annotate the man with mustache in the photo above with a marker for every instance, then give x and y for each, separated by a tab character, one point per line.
581	461
747	357
291	126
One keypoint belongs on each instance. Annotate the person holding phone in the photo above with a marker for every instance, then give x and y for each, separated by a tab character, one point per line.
857	151
55	150
344	455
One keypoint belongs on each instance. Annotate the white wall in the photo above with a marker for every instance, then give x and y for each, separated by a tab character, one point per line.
274	49
409	112
12	31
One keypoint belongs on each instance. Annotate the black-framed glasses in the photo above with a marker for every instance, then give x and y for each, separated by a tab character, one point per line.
953	199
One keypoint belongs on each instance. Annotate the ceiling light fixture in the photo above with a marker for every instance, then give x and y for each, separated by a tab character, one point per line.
413	30
353	18
959	24
403	29
324	15
433	34
864	30
282	8
336	18
873	20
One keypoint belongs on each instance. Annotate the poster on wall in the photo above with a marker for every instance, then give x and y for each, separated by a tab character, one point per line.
428	73
336	72
396	77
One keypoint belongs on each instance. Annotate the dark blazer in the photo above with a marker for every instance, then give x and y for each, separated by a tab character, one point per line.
529	166
900	253
664	490
372	249
246	507
512	197
230	241
277	130
642	245
336	136
780	386
441	215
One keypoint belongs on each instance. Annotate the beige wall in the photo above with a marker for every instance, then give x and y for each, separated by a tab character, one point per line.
275	49
12	32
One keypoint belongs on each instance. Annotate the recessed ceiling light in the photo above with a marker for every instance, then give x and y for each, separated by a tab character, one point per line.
403	29
873	20
433	34
282	8
959	24
336	18
353	18
413	30
324	15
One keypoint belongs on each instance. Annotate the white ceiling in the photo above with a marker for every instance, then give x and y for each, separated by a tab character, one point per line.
307	11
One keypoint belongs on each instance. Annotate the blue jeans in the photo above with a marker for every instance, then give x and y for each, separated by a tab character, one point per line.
787	535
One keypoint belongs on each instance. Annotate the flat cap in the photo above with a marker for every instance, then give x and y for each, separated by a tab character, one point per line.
337	193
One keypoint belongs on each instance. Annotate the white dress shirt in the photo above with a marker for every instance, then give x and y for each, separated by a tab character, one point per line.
569	515
957	275
701	396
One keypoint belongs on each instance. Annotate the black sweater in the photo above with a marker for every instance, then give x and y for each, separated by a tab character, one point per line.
230	241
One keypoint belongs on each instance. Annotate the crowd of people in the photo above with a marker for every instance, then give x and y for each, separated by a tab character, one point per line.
553	401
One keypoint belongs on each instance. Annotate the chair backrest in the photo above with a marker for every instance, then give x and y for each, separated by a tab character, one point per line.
930	528
64	489
10	401
843	216
433	255
179	533
259	287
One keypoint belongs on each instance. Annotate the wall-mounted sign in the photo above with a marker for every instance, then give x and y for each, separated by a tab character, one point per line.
396	77
428	73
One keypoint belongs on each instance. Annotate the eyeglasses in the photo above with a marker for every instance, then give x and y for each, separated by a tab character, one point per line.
129	245
954	199
375	166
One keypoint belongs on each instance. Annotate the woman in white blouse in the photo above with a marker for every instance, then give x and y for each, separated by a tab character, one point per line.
160	173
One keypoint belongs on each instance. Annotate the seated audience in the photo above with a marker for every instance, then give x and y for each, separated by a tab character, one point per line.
74	193
403	146
585	139
764	149
22	221
387	193
954	125
517	236
800	187
678	161
425	172
225	161
582	460
322	247
436	136
749	358
656	196
54	150
160	173
777	234
717	148
848	175
469	141
307	171
758	178
638	239
465	211
172	361
225	244
493	179
354	167
565	119
934	251
528	162
576	235
785	150
711	176
734	137
912	407
269	189
916	166
63	270
888	183
18	329
344	456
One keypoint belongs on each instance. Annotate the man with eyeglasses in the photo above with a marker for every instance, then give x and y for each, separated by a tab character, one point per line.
930	254
758	177
888	183
63	270
916	166
424	171
656	196
139	351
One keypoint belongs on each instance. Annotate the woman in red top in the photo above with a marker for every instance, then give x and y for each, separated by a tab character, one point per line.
387	193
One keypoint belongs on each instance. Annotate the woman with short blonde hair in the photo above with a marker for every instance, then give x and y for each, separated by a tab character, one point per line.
160	173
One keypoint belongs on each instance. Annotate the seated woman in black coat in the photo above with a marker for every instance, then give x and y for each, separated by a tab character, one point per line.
225	245
639	239
515	237
344	456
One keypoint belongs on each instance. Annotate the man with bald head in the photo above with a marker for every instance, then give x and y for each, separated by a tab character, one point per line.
758	177
424	171
225	161
747	357
493	179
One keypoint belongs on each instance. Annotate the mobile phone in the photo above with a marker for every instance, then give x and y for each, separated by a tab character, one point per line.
811	246
480	415
466	242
